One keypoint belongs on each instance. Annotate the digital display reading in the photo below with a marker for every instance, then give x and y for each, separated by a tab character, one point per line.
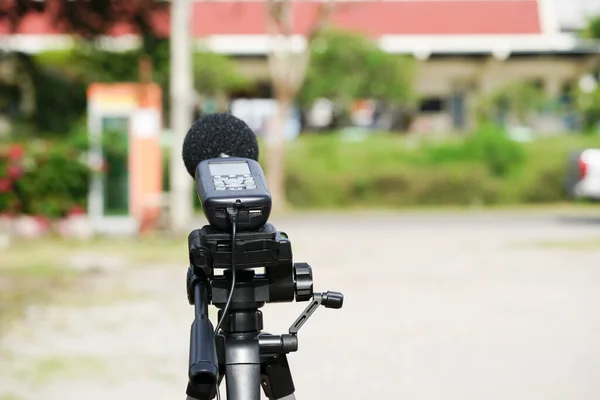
229	168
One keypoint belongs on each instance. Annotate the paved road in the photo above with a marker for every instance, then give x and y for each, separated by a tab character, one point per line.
452	306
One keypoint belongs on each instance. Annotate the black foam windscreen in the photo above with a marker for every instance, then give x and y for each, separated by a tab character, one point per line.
214	135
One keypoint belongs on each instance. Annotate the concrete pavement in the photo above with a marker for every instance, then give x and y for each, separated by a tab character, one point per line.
454	306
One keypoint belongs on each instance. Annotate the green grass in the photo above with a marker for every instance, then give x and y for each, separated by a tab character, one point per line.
52	254
579	245
574	208
46	369
331	154
8	396
44	272
24	284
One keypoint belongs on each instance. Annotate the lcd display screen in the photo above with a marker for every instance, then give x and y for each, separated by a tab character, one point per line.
229	168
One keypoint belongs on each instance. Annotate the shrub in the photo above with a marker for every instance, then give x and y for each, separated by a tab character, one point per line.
382	171
42	178
541	178
50	178
462	184
491	146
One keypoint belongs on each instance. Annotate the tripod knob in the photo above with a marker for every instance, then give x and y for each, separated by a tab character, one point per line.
332	300
304	282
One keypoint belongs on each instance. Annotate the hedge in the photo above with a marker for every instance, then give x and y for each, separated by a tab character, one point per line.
326	171
385	171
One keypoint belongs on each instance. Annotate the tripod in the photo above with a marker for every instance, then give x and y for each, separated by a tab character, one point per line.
240	352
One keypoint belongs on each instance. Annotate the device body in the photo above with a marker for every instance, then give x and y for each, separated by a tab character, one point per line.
226	182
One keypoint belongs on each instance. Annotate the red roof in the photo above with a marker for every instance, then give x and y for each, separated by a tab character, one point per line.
409	17
380	17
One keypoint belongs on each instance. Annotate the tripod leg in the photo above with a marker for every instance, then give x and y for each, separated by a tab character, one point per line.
242	369
289	397
277	379
243	381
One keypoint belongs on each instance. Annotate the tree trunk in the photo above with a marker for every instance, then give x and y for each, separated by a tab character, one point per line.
222	101
276	154
15	71
288	70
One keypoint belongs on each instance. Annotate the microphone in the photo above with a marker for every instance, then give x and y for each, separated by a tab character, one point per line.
215	135
221	153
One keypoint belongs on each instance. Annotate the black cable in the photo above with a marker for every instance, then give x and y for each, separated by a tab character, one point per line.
232	212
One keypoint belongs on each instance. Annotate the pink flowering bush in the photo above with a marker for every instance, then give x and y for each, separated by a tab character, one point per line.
44	179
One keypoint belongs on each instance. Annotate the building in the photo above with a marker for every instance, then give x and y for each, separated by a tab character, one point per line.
465	48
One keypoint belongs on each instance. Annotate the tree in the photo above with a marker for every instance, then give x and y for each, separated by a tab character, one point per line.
522	100
88	63
215	75
592	31
587	103
17	83
89	18
346	66
519	100
85	20
587	92
288	68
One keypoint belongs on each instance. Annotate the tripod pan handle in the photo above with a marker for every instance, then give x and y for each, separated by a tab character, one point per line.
203	355
203	371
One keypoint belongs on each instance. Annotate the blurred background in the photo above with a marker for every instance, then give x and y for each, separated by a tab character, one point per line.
436	161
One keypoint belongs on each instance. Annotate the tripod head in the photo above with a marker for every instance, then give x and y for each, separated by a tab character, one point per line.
264	273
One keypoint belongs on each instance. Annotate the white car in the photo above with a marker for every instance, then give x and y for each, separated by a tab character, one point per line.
584	175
